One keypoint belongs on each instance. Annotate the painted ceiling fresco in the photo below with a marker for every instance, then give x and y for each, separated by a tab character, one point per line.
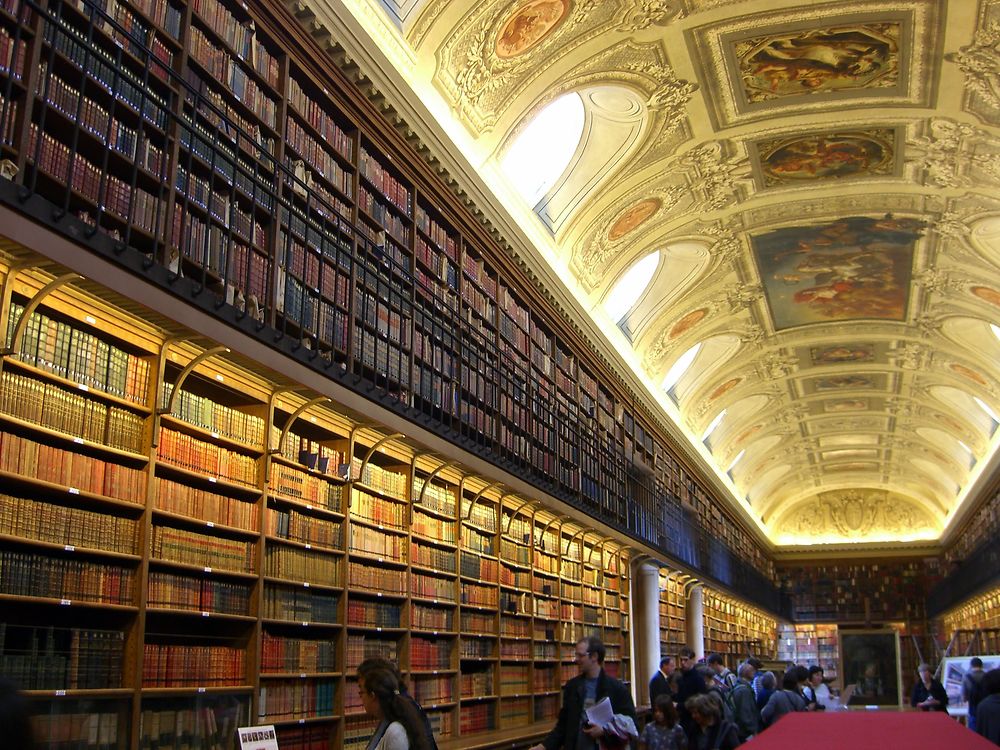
822	184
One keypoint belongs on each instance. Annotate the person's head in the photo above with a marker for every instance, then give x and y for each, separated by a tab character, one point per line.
801	674
925	672
685	657
590	655
755	663
815	675
664	711
379	688
706	672
666	665
747	671
768	681
790	680
15	718
716	663
379	662
975	663
991	682
704	709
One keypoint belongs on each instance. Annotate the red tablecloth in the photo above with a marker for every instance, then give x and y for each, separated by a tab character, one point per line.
868	730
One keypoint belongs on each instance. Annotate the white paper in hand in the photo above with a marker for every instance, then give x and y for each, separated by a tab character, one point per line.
601	712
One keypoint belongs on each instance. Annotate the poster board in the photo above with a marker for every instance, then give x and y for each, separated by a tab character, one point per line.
869	660
953	669
257	738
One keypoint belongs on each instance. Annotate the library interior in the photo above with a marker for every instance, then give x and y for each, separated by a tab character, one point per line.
454	331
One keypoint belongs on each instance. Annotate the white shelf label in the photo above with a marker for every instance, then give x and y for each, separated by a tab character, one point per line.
65	602
379	594
74	491
302	721
78	440
305	584
201	690
309	546
215	435
302	675
309	507
305	624
208	570
213	480
206	614
83	387
60	693
69	548
378	630
211	524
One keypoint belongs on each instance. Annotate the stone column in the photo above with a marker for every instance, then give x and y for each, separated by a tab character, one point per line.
694	618
646	628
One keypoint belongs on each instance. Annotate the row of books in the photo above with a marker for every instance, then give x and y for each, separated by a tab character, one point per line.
374	614
112	195
71	413
296	699
295	483
393	225
77	730
430	653
318	158
515	627
377	579
77	355
432	587
241	38
184	592
281	654
188	452
438	234
480	568
35	575
173	665
50	658
307	737
361	647
432	557
378	510
478	682
392	189
231	74
300	605
368	541
477	541
204	505
211	726
309	566
313	270
299	527
79	472
160	12
423	617
191	548
431	690
74	527
477	718
11	55
433	527
129	30
215	417
476	648
318	116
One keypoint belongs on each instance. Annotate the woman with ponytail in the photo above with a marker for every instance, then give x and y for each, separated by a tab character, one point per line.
400	725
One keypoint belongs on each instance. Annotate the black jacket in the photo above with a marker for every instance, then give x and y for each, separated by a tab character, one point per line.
566	732
921	693
988	718
658	686
722	735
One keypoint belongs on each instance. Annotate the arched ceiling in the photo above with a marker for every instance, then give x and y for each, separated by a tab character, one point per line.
825	178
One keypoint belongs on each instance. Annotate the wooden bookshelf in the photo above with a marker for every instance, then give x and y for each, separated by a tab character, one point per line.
811	644
672	606
735	629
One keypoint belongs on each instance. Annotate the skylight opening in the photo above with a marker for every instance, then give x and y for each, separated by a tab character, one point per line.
739	457
680	367
714	423
542	151
630	287
982	405
996	330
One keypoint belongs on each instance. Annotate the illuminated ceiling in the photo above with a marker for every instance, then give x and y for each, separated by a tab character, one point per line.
820	181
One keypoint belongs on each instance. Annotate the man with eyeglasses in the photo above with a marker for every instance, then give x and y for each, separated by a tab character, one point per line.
572	730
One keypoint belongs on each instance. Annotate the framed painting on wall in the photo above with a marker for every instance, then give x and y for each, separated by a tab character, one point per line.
870	662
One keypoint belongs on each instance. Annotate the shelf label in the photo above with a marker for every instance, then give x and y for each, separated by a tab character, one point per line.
201	690
302	675
305	623
60	693
78	440
69	548
211	524
74	491
378	629
379	594
302	721
213	480
83	387
65	602
208	570
305	584
206	614
309	546
309	507
215	436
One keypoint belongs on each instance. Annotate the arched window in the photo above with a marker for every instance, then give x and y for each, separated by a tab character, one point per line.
630	287
542	151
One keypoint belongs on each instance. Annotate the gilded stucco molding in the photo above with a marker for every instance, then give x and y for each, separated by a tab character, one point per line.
980	65
853	515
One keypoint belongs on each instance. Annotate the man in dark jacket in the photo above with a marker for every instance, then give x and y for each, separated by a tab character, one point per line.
745	713
691	684
988	710
972	691
660	684
572	730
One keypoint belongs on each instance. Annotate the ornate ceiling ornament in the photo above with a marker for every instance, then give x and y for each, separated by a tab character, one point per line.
739	297
980	64
753	334
955	154
646	13
937	281
591	263
775	366
714	178
911	356
853	515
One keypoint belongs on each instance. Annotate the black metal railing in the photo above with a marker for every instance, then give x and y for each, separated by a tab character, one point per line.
974	574
153	169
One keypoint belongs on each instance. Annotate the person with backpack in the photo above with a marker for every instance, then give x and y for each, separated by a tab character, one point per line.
783	701
745	713
721	673
711	730
972	689
715	690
